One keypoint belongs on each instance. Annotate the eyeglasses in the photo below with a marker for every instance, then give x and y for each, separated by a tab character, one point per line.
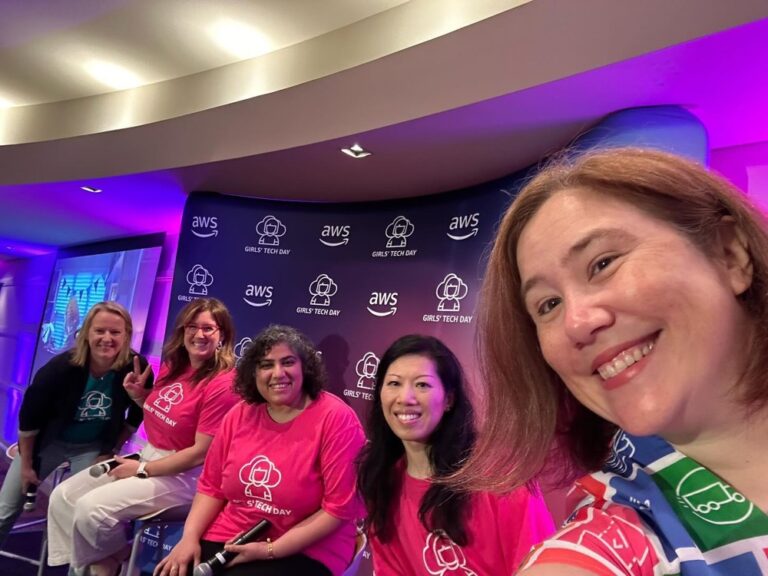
208	330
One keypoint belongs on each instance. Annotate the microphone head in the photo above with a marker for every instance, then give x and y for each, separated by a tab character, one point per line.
203	569
97	470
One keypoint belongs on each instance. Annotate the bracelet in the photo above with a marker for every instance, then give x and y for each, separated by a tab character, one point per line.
270	550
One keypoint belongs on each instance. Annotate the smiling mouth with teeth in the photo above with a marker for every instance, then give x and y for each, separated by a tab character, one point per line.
624	360
407	417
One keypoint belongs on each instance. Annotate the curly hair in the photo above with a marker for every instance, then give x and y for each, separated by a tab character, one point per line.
312	367
442	507
175	354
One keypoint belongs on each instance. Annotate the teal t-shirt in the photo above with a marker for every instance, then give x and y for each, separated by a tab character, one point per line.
93	412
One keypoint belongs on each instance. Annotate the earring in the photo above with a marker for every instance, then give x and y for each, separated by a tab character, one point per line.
219	345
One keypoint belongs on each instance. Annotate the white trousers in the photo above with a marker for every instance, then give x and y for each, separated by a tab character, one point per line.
88	517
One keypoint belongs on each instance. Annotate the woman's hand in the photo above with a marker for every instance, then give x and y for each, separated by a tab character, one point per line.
28	478
126	467
246	552
135	381
186	554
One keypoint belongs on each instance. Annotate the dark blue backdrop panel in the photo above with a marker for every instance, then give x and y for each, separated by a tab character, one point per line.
352	276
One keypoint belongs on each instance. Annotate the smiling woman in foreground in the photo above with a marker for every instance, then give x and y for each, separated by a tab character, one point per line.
625	320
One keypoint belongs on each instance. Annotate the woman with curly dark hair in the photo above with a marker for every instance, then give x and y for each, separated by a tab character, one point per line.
421	429
285	454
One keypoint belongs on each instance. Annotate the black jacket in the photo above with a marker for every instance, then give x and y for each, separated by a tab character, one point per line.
51	401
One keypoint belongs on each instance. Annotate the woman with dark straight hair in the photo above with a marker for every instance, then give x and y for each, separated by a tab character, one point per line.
624	322
420	431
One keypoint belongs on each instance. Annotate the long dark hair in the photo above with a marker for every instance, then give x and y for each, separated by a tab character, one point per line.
442	507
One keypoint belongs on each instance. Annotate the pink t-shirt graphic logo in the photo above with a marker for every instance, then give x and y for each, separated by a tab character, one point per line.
169	396
259	475
443	557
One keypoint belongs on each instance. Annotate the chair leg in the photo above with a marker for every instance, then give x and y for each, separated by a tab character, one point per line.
43	554
134	552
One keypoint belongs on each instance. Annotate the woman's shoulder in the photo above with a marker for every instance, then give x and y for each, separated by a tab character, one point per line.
329	405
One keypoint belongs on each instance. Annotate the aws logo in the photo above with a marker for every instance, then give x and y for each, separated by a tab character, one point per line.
205	226
382	300
334	235
257	295
463	223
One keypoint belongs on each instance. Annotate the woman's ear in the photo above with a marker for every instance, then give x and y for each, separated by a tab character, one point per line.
733	252
449	402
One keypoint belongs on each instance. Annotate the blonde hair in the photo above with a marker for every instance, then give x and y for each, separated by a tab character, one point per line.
81	353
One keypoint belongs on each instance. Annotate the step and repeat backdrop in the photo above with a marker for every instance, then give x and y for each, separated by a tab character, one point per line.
354	277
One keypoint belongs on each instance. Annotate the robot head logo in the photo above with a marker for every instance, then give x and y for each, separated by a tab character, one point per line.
398	232
94	405
442	556
366	371
199	279
450	292
169	396
242	347
270	229
259	476
321	289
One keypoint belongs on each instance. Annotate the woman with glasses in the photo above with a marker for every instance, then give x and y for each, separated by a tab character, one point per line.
87	515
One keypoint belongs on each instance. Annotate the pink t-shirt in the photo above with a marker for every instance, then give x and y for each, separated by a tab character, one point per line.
285	473
501	531
175	411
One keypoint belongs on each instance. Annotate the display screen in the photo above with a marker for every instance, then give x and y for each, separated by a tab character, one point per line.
80	281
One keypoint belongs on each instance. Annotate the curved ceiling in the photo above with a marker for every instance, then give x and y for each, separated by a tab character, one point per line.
446	94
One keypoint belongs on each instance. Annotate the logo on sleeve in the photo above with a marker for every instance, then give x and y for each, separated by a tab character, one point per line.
94	406
442	556
270	229
169	396
259	476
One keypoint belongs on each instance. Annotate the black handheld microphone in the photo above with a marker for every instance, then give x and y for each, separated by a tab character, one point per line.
221	558
103	467
30	498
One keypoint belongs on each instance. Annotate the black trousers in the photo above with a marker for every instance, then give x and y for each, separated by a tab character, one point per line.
296	565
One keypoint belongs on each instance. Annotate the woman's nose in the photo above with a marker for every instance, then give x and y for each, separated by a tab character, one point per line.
585	317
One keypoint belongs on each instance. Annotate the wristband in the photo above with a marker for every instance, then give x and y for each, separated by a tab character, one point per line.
270	550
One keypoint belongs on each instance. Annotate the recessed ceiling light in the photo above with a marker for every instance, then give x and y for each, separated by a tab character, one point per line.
356	151
239	39
113	75
91	189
